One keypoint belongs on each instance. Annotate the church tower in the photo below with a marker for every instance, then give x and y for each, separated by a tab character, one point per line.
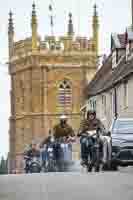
48	76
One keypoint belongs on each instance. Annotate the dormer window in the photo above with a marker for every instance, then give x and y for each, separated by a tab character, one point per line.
114	58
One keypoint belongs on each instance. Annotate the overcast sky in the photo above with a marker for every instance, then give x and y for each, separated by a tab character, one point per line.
114	16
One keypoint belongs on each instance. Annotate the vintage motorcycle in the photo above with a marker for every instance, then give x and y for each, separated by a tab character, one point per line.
94	151
33	164
50	165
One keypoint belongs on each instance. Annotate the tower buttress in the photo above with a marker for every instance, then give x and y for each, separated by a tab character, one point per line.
10	35
34	27
95	27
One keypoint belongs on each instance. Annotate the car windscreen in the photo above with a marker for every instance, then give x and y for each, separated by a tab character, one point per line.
123	126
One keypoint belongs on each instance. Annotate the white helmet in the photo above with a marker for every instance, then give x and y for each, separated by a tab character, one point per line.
63	117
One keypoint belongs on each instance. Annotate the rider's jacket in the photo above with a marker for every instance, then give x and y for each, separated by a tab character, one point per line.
89	125
62	131
46	141
33	153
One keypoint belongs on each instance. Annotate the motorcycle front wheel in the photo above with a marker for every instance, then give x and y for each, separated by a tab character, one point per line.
89	168
97	168
35	169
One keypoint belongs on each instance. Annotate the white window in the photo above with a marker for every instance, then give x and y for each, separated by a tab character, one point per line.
93	104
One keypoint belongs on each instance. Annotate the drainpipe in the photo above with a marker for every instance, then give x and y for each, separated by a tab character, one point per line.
115	102
132	13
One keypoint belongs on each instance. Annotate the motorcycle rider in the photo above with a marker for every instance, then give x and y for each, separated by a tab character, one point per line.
63	129
32	152
47	142
89	124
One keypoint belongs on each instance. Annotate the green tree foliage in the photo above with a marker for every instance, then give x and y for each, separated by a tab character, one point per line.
3	166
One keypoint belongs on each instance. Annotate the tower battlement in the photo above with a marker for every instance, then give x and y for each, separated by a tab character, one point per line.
54	45
51	44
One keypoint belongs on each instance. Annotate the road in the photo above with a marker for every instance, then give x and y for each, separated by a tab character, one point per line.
68	186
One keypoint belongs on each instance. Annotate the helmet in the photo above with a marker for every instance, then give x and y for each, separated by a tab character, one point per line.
34	142
91	112
63	117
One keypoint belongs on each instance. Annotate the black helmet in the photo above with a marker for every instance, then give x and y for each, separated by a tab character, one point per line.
91	112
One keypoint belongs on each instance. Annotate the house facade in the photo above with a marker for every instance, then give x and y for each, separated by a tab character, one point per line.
110	92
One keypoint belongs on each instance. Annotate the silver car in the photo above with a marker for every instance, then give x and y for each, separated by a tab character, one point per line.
122	142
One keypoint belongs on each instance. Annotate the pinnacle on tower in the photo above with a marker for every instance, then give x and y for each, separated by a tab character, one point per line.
70	26
95	10
10	25
95	26
10	35
34	27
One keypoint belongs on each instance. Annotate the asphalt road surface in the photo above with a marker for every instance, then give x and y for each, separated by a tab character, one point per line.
68	186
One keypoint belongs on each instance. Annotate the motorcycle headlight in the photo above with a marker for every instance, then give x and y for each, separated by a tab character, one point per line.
115	150
113	153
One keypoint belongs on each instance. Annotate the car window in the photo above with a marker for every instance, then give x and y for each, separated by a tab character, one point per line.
123	125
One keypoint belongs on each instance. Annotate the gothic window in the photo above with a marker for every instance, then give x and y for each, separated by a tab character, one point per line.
65	96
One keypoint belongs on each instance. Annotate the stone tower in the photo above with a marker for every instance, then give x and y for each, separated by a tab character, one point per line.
47	79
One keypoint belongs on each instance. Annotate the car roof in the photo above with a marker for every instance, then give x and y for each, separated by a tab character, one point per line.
125	119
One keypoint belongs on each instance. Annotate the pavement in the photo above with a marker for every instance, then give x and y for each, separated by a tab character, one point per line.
76	185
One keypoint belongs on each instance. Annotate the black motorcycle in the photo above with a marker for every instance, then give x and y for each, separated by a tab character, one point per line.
51	162
92	150
33	164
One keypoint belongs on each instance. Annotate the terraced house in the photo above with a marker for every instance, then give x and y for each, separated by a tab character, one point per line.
110	92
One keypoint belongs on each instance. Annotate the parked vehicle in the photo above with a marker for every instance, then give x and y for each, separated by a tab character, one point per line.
33	164
122	142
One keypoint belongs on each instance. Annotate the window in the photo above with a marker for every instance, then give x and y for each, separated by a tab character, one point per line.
93	104
114	102
114	58
65	96
104	104
123	126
